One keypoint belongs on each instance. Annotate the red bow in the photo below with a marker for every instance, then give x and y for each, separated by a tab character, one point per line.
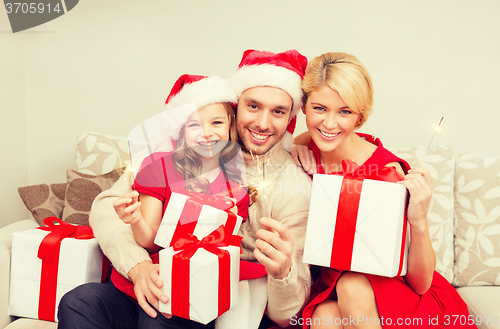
212	242
351	169
189	244
192	210
52	241
48	252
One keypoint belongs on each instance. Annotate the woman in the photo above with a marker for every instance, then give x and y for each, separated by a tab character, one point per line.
339	95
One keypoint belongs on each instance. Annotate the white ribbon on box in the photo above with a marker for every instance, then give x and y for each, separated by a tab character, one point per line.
203	282
80	261
210	219
379	227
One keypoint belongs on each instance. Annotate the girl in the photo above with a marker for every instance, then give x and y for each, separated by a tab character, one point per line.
205	146
339	95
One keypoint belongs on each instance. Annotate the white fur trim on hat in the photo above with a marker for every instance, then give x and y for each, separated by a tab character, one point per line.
269	75
287	141
203	92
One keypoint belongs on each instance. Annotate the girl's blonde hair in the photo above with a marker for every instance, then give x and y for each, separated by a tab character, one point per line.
344	74
188	164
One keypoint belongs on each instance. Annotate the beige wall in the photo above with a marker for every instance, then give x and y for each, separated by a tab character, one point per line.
106	65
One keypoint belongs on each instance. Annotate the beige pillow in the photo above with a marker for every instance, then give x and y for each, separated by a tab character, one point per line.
98	154
81	192
477	220
44	200
440	161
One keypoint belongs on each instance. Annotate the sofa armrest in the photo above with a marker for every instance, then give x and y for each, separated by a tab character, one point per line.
5	249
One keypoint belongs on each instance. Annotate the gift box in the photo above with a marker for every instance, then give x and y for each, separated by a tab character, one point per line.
197	214
48	262
358	224
201	276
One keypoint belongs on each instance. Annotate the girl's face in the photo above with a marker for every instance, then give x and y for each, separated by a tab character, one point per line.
328	118
207	130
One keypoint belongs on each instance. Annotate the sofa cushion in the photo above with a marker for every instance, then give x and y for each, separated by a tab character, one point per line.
98	154
477	221
44	200
483	305
24	323
81	192
440	161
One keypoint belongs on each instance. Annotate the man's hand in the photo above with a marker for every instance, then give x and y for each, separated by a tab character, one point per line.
274	248
147	287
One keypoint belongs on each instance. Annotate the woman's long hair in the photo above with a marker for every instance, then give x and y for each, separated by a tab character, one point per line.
188	163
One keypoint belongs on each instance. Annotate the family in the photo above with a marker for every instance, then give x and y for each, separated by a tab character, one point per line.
253	114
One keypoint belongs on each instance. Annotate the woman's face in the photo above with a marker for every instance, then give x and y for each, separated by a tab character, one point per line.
207	130
328	118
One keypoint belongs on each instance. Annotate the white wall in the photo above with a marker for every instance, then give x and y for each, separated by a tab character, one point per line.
106	65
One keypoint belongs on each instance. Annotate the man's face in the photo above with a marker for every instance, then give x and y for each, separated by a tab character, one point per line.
262	117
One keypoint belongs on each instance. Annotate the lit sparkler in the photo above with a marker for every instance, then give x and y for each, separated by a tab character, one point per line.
261	166
436	129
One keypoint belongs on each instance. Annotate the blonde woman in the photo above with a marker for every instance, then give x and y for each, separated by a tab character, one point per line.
339	99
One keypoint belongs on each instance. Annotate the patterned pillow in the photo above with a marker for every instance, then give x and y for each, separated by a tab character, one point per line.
81	192
477	220
440	161
98	154
44	200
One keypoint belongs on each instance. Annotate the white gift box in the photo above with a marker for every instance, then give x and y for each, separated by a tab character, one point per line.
80	261
209	219
380	243
203	283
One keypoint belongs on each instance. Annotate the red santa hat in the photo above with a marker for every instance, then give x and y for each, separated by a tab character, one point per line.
197	89
282	70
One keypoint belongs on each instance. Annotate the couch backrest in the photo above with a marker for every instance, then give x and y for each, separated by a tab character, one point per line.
440	161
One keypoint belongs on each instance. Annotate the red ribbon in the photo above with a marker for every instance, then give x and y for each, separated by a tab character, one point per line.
192	210
189	244
347	211
48	252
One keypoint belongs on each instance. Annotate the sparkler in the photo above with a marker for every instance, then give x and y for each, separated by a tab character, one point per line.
436	130
261	166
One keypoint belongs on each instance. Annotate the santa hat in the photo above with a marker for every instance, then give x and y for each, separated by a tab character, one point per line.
197	89
189	94
282	70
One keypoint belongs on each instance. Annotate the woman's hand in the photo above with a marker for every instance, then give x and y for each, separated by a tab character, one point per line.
419	184
421	256
304	158
128	208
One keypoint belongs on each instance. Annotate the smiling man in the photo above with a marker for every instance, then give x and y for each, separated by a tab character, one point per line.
269	93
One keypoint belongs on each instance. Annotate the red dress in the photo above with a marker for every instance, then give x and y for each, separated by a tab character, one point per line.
398	305
158	177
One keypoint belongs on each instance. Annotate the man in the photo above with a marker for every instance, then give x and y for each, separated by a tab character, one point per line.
270	96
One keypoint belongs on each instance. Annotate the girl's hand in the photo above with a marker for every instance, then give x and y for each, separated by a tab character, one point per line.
304	158
419	184
128	208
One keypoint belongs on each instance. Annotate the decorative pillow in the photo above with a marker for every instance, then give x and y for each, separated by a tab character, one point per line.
440	161
477	220
81	192
44	200
98	154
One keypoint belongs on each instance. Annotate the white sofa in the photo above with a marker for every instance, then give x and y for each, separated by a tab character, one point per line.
464	222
